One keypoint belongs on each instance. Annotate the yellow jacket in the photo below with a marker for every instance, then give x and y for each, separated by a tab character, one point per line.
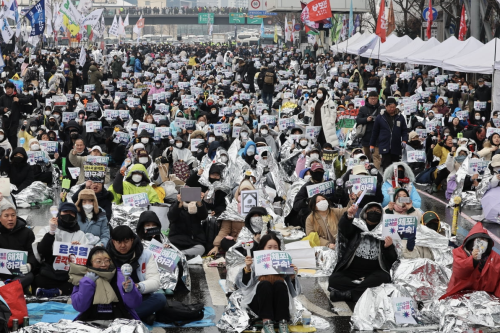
27	137
442	153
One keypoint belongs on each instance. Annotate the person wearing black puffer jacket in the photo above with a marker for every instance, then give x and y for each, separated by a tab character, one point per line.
14	235
215	174
366	116
18	169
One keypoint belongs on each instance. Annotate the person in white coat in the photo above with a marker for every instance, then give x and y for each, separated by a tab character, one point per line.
322	111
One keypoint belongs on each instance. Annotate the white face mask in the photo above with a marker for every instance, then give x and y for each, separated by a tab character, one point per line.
176	103
314	156
303	143
35	147
322	205
237	114
214	111
178	145
136	178
143	160
201	123
1	137
158	86
77	98
33	128
106	95
477	117
264	131
150	121
223	159
251	151
88	208
211	139
244	135
307	178
144	140
134	128
47	113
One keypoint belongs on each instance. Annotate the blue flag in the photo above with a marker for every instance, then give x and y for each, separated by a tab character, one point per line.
262	28
351	22
36	16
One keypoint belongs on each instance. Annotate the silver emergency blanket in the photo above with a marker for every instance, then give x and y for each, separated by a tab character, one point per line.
469	198
34	299
477	309
290	196
423	278
326	260
484	185
436	243
125	215
168	280
288	168
64	325
36	192
237	171
291	234
126	326
374	310
224	185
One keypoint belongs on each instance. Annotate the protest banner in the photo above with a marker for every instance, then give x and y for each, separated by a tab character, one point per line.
166	258
94	168
160	133
91	126
66	252
415	156
362	183
195	143
220	129
396	225
11	261
150	128
136	200
49	146
312	132
404	310
270	262
121	137
249	199
39	157
325	188
67	116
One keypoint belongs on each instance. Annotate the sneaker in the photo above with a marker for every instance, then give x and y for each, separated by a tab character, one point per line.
283	326
268	327
49	293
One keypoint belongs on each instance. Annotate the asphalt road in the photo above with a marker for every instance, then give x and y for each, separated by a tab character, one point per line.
205	281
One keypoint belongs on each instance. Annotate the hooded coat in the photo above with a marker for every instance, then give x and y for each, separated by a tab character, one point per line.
410	187
328	118
95	77
186	230
126	186
387	139
366	111
22	174
466	270
104	200
350	237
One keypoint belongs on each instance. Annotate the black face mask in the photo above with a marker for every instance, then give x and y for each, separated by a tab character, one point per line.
374	217
212	180
318	175
152	232
401	174
432	225
52	138
74	135
67	222
17	159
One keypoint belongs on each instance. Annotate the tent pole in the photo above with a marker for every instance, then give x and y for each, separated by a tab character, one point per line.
493	79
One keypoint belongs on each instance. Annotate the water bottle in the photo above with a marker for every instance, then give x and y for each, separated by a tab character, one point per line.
306	318
22	141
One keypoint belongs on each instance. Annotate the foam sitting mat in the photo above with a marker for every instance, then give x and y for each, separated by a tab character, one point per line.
208	320
50	312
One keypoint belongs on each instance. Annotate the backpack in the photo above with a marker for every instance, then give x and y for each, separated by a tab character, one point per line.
179	314
181	170
269	78
5	314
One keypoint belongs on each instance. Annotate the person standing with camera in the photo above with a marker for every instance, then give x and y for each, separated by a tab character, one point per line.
11	103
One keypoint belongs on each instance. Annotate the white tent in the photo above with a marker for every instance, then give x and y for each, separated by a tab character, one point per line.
448	49
480	60
392	43
414	48
357	37
354	48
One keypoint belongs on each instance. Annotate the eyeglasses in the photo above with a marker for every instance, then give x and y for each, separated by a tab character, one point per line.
101	261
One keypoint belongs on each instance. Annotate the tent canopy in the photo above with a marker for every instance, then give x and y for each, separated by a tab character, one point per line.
391	44
448	49
357	37
415	47
479	60
354	48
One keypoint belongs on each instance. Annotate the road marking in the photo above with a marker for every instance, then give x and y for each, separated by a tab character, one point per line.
216	293
341	308
314	308
465	216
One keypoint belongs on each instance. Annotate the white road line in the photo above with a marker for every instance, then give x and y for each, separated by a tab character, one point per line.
314	308
216	293
341	308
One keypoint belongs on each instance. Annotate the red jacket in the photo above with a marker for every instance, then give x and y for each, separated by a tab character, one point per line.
467	277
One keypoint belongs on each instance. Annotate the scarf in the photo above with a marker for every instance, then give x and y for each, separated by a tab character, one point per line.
104	293
121	259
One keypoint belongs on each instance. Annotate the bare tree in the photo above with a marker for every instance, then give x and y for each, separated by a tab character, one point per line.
408	13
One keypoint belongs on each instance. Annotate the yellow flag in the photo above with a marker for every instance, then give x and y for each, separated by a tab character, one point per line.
275	34
73	29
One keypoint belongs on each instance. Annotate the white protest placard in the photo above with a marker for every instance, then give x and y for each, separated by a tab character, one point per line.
195	143
453	86
236	131
91	126
413	156
422	133
67	252
11	261
404	310
150	128
220	129
49	146
225	111
364	183
67	116
268	120
92	107
479	106
74	172
270	262
133	102
462	115
136	200
166	258
89	88
111	114
394	225
474	166
496	122
121	137
430	126
303	255
249	199
286	123
492	130
161	132
312	132
37	157
325	188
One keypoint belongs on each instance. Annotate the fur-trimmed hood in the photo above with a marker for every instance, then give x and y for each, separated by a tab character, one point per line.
388	173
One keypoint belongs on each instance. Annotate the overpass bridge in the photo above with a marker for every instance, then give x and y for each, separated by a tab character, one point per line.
164	19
